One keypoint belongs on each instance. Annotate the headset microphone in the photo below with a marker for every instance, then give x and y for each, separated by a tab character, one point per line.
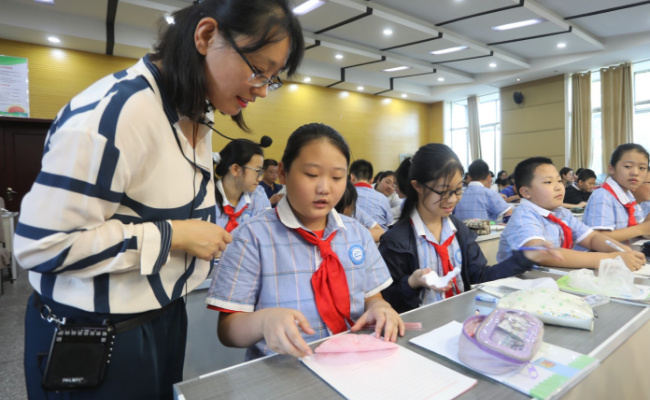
265	141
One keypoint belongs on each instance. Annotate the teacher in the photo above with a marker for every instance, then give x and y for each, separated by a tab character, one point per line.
119	224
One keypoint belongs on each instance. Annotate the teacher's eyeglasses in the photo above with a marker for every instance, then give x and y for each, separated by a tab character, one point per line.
257	79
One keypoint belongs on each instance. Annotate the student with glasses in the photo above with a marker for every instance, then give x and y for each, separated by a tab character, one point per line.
428	238
238	172
120	224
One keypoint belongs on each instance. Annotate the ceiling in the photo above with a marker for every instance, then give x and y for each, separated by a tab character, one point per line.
595	33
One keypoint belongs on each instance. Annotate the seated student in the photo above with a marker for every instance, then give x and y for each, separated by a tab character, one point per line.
567	176
269	177
348	206
509	193
577	195
302	272
238	174
372	202
386	184
540	217
612	208
479	201
501	182
428	237
642	196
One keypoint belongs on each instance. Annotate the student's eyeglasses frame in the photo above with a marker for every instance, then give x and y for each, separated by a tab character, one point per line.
257	79
259	171
444	195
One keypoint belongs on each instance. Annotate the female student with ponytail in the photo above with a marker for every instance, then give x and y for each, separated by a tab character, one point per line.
240	171
301	272
428	237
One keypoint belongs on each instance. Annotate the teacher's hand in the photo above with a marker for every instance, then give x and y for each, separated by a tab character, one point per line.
202	239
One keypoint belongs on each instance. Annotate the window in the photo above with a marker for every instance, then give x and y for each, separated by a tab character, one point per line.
489	110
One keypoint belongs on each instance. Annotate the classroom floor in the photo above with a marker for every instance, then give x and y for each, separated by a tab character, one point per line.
12	317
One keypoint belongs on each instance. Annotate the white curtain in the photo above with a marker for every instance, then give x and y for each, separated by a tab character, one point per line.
473	128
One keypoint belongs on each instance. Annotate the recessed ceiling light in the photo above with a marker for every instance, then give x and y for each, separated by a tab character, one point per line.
448	50
402	68
561	45
344	94
404	95
519	24
338	56
518	79
360	88
307	80
493	65
169	19
388	32
307	6
54	39
441	79
50	2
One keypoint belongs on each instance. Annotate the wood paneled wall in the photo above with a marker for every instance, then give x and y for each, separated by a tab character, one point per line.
535	127
377	128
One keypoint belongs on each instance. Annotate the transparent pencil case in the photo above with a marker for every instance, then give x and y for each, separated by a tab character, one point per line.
501	342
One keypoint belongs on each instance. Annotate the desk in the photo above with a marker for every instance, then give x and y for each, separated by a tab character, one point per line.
284	377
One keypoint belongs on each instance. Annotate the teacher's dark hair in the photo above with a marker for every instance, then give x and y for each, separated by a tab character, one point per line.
265	21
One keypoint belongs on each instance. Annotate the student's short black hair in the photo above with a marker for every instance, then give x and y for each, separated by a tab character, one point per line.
349	198
269	162
577	171
586	173
308	133
402	176
478	170
377	177
624	148
565	170
525	171
238	151
491	174
361	169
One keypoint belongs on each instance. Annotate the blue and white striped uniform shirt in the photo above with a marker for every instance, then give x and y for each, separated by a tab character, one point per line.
605	213
269	265
257	202
428	257
365	219
529	221
645	207
95	230
376	205
480	202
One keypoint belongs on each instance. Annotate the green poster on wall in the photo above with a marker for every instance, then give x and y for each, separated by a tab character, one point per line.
14	87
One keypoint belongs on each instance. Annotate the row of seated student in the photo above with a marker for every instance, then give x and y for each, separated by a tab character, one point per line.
303	271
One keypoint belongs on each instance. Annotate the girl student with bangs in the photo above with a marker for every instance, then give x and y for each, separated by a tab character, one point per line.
239	171
612	208
428	237
301	272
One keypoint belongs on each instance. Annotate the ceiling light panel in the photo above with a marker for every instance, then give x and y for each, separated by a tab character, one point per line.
480	28
327	15
432	79
481	65
367	31
390	64
444	10
547	46
327	55
622	22
423	51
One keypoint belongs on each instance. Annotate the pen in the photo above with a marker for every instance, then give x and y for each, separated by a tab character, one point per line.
614	246
548	270
487	299
532	248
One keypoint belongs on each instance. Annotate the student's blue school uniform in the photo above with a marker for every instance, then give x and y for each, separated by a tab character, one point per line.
428	257
376	205
269	265
365	219
645	207
255	200
605	213
480	202
509	191
529	222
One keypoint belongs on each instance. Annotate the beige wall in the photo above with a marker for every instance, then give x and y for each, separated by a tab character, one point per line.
377	128
535	127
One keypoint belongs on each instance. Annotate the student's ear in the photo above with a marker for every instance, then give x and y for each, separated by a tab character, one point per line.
418	188
353	178
610	169
235	170
524	192
282	173
204	34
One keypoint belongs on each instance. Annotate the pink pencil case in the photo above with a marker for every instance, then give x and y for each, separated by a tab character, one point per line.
501	342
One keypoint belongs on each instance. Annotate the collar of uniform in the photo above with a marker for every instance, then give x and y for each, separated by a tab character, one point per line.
167	103
623	197
539	210
475	183
245	196
421	230
289	219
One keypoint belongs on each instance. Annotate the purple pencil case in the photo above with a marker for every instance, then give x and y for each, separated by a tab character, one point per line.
501	342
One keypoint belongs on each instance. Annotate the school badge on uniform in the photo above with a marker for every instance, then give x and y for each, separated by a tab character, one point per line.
357	254
458	255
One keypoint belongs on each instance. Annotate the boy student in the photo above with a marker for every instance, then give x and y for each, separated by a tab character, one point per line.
509	193
479	201
540	217
577	195
269	177
369	200
642	197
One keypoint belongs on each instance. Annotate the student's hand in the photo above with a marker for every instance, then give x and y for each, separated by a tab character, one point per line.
416	280
633	259
275	199
202	239
582	204
384	317
280	330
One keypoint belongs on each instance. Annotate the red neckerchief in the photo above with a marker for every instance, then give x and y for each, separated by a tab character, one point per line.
629	207
363	184
567	242
232	216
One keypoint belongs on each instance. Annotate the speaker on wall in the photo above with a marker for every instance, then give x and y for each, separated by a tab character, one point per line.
518	97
